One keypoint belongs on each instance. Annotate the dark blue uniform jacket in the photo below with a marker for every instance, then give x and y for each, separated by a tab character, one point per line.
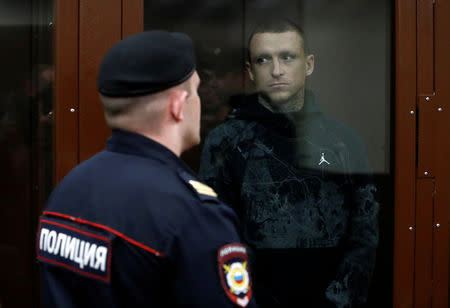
132	227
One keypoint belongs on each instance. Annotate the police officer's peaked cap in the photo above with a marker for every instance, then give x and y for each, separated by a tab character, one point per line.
146	63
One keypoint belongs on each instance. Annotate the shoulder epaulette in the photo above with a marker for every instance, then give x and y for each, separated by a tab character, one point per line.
203	189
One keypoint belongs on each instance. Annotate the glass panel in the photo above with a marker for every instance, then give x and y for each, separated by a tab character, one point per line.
26	125
219	47
305	154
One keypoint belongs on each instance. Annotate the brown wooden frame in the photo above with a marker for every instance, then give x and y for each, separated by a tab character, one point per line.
66	87
422	180
132	17
85	30
441	153
405	142
100	28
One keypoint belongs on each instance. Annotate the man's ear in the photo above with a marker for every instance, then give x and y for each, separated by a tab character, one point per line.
177	98
248	67
309	64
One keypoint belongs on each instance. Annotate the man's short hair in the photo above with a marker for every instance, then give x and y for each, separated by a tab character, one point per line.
277	26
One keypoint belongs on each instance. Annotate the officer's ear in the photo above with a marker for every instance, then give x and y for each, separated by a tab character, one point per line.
177	98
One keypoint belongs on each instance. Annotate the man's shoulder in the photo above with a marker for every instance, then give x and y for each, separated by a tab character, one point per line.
230	128
122	183
149	208
139	185
345	135
112	168
235	124
231	132
341	130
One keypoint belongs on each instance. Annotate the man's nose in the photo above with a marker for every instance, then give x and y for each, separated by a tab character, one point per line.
277	69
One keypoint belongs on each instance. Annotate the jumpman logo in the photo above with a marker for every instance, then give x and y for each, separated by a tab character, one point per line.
323	160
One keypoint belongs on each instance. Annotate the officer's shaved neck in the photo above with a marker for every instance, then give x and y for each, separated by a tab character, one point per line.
136	114
148	115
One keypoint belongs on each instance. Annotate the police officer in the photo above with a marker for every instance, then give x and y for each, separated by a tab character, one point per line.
132	226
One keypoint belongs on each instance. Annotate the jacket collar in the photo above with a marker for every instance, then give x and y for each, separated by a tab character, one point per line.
139	145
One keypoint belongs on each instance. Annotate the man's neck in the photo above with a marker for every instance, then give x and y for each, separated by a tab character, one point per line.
294	104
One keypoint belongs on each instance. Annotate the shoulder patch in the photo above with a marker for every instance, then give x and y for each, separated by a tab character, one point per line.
234	273
203	189
83	252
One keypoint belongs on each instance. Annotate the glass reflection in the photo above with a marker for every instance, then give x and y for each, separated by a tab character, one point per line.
299	180
26	140
219	49
287	117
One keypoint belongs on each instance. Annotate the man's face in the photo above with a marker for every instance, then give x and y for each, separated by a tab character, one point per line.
193	112
279	66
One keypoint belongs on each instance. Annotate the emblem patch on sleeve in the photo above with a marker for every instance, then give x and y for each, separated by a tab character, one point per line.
234	273
82	252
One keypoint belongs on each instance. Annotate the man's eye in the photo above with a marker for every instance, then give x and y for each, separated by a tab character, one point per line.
287	57
261	60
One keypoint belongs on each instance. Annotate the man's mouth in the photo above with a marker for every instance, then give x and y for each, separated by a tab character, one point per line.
278	84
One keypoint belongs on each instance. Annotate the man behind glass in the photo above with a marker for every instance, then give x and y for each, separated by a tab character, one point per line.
299	180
